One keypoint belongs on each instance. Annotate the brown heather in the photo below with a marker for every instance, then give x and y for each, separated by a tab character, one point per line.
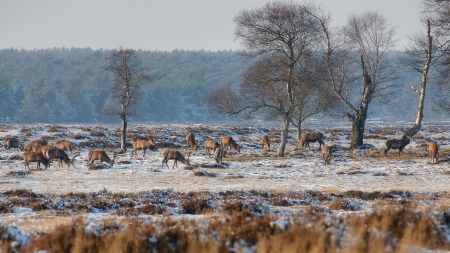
393	230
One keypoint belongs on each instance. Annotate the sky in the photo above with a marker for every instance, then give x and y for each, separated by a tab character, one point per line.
163	25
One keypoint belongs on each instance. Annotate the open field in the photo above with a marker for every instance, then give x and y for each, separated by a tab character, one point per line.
370	202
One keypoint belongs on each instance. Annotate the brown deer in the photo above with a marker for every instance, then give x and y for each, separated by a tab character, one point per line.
433	148
12	143
44	150
396	144
101	156
227	142
175	155
29	156
211	145
140	143
218	155
264	141
326	154
190	139
306	138
29	146
59	154
65	145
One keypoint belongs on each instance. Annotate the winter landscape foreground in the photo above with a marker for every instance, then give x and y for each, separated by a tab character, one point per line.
255	201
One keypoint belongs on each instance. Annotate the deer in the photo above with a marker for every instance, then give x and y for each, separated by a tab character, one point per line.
218	155
44	150
211	145
264	141
29	156
12	143
139	143
29	146
326	154
101	156
396	144
60	155
227	142
65	145
306	138
190	139
433	148
175	155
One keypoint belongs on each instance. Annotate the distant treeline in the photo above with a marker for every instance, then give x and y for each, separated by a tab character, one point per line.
72	86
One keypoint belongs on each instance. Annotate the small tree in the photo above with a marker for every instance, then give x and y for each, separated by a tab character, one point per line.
129	76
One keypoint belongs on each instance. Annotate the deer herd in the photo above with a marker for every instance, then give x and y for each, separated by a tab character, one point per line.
41	152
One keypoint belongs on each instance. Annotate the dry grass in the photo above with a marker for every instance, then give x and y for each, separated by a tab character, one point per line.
396	229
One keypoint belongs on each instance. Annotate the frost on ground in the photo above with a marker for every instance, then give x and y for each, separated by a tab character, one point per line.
253	179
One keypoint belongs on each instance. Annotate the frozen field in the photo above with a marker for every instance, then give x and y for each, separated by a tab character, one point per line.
37	201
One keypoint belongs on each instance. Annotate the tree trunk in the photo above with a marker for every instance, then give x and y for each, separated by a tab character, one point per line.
299	130
358	126
426	65
284	135
123	136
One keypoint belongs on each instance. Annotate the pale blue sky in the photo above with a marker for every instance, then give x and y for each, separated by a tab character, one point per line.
160	24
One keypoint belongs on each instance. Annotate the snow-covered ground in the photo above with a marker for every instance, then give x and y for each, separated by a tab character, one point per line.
300	170
252	168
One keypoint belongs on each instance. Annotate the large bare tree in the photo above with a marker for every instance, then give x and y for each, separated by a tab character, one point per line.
361	44
128	77
285	34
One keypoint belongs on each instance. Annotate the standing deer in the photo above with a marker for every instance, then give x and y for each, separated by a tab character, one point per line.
29	156
61	156
264	141
190	139
396	144
12	143
175	155
65	145
326	154
101	156
211	145
140	143
306	138
433	148
227	142
218	155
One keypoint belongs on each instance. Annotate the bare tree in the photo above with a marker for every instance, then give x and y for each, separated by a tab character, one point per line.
431	51
437	13
362	43
129	76
285	34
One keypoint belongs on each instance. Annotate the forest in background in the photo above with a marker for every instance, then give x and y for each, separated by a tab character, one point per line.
62	85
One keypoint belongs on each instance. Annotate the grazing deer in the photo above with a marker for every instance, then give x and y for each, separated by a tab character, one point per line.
12	143
175	155
60	155
306	138
29	146
326	154
264	141
29	156
65	145
190	139
101	156
227	142
433	148
218	155
211	145
139	143
396	144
